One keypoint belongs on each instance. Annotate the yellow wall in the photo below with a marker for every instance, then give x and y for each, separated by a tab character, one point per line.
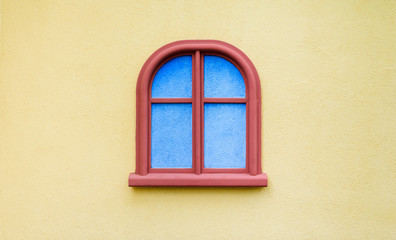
67	120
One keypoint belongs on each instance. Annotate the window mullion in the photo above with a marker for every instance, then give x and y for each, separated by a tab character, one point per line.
197	112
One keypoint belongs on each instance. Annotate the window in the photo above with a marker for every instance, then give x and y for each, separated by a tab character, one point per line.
198	117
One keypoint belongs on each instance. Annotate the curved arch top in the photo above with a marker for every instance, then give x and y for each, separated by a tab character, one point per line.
205	46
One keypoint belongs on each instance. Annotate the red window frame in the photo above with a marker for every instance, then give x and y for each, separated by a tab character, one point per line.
198	175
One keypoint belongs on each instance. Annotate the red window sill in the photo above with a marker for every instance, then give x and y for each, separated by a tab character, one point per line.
194	180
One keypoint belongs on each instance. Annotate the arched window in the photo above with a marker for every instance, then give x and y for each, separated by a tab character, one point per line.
198	120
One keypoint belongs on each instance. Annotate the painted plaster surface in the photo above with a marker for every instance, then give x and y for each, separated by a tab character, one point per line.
67	120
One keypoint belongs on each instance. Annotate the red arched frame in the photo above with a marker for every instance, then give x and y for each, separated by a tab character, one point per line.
198	176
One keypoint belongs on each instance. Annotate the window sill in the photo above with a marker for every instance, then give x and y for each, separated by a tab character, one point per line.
194	180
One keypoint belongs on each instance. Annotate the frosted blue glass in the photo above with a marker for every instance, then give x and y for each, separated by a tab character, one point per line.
222	79
225	135
173	79
171	135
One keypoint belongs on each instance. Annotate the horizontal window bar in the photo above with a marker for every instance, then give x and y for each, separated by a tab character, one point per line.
225	170
171	100
171	170
225	100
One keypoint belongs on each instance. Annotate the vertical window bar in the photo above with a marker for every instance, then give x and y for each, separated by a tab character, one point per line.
197	147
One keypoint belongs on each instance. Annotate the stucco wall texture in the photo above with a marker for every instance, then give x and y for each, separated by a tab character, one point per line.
67	120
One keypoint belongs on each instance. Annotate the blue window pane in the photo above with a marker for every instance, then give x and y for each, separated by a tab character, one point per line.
173	79
225	135
171	135
222	79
